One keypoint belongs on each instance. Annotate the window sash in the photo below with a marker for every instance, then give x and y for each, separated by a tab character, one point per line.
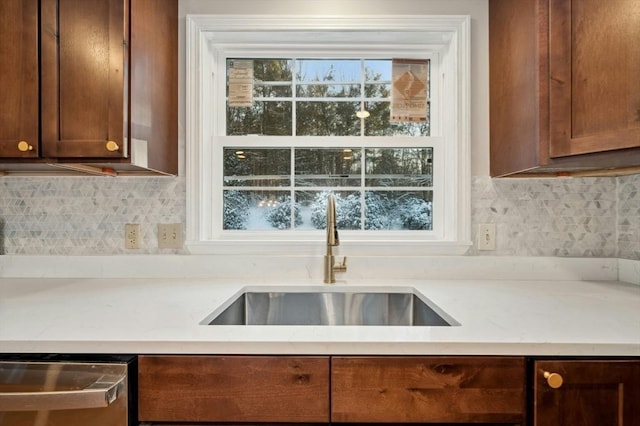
223	55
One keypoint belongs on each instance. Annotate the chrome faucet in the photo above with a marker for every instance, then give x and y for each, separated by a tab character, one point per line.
330	267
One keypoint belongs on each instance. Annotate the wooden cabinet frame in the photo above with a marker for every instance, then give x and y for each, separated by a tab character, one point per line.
93	87
84	79
538	100
19	67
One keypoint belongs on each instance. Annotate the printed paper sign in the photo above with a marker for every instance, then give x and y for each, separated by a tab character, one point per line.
410	87
241	83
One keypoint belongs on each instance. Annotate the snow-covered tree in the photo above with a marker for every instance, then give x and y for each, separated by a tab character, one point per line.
376	211
236	210
279	216
319	210
416	213
348	210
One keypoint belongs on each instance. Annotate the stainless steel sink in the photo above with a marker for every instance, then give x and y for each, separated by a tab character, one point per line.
405	308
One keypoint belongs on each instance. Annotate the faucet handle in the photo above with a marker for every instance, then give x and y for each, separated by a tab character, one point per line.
342	266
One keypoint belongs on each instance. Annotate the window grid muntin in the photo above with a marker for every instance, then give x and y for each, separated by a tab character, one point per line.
294	189
294	99
371	141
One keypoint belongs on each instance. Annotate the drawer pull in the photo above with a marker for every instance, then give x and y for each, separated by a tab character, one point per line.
112	146
554	380
102	393
23	146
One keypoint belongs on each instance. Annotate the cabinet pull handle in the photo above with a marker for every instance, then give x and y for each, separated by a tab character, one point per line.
102	393
112	146
554	380
23	146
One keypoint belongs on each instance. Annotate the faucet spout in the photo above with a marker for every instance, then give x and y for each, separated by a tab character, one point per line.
330	267
332	228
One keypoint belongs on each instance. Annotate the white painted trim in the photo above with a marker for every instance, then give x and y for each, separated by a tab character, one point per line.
454	32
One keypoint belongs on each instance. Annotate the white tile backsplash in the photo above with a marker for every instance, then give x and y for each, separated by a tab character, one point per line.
578	217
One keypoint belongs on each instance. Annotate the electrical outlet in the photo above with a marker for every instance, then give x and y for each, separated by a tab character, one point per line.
132	236
170	235
486	236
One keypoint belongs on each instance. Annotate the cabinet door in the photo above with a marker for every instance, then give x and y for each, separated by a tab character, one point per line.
592	393
84	78
594	64
428	389
233	389
19	78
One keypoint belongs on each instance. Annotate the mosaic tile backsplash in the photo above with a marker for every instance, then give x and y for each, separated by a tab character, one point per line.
585	217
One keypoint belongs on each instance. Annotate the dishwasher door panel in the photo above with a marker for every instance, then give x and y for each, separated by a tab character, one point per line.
63	394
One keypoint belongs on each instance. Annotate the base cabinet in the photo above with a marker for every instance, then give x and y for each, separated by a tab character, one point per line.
282	389
324	390
436	390
428	390
586	393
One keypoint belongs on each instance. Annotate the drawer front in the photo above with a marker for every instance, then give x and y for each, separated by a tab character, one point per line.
233	389
428	389
586	392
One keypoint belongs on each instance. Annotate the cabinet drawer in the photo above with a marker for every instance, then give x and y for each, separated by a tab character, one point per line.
233	389
428	389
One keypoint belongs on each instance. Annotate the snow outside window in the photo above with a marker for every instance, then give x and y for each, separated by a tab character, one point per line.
282	125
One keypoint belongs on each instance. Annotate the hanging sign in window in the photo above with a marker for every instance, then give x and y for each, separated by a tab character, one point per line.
410	87
241	83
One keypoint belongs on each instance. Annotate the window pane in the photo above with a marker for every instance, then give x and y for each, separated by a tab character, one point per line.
327	119
257	210
263	118
273	90
379	124
313	207
268	69
398	210
399	167
327	167
328	70
328	91
379	90
378	69
257	167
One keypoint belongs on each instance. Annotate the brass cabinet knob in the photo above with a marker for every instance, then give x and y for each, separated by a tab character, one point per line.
23	146
112	146
554	380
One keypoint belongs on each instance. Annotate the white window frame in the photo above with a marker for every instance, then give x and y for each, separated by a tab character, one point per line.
448	35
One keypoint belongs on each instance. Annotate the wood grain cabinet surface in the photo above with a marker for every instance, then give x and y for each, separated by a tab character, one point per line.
564	92
106	77
307	389
428	389
19	83
592	393
234	389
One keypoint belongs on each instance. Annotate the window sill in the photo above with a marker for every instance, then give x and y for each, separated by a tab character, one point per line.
317	247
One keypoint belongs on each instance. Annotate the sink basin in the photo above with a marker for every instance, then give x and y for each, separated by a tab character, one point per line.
334	307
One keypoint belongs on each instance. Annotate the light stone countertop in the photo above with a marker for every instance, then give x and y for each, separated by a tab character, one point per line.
163	315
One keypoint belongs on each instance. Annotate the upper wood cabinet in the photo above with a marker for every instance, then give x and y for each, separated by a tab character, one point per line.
108	82
586	393
19	83
564	92
84	49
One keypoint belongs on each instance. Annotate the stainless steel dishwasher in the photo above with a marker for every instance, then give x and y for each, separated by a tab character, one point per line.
57	391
